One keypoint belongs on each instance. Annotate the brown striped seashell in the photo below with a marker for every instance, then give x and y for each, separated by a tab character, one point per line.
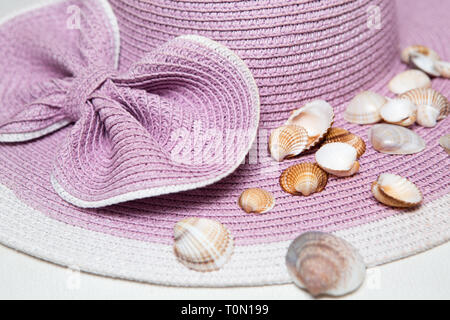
424	63
202	244
342	135
256	200
443	68
396	191
444	141
408	80
338	158
287	141
316	117
393	139
426	100
324	264
364	108
406	53
303	178
402	112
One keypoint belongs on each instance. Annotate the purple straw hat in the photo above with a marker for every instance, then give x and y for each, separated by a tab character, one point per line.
119	118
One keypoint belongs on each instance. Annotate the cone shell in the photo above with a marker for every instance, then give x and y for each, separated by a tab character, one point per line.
425	99
324	264
344	136
256	200
423	63
202	244
396	191
287	141
338	158
443	68
408	80
406	53
316	117
303	178
393	139
402	112
364	108
444	141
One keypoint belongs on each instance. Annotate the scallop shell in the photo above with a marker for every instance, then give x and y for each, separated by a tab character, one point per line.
419	49
444	141
324	264
424	99
408	80
338	159
393	139
202	244
256	200
396	191
443	68
364	108
424	63
316	117
342	135
303	178
287	141
399	111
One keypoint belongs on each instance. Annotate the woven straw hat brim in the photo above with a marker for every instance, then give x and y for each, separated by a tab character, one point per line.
134	240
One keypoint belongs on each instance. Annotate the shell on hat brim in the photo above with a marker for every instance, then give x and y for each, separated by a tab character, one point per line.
256	200
287	141
443	67
338	159
444	142
408	80
396	191
402	112
424	63
345	136
406	53
393	139
364	108
303	179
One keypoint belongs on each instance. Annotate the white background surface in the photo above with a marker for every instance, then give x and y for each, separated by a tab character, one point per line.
424	276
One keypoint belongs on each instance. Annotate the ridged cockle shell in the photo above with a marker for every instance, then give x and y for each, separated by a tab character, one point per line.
256	200
408	80
338	159
342	135
396	191
364	108
393	139
324	264
303	178
287	141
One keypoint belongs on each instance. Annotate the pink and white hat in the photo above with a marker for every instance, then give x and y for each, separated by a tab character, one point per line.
119	118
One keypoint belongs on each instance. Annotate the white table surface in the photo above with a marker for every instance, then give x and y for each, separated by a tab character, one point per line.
424	276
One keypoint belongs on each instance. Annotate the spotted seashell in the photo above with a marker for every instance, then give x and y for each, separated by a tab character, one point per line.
396	191
424	63
324	264
393	139
287	141
443	68
364	108
316	117
444	141
342	135
406	53
303	178
256	200
338	158
408	80
202	244
402	112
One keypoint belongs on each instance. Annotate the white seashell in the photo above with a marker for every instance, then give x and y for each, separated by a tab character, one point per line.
256	200
399	111
324	264
287	141
364	108
424	63
338	158
443	68
427	116
396	191
408	80
303	178
444	141
342	135
316	117
393	139
202	244
419	49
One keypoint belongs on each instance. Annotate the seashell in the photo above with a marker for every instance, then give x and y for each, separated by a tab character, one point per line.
444	141
399	111
287	141
425	99
316	117
342	135
408	80
303	178
443	68
364	108
396	191
256	200
424	63
393	139
202	244
324	264
419	49
338	159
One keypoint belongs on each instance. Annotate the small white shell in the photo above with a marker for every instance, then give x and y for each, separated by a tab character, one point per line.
408	80
287	141
399	111
202	244
393	139
444	141
443	68
256	200
338	158
324	264
424	63
316	117
396	191
364	108
406	53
